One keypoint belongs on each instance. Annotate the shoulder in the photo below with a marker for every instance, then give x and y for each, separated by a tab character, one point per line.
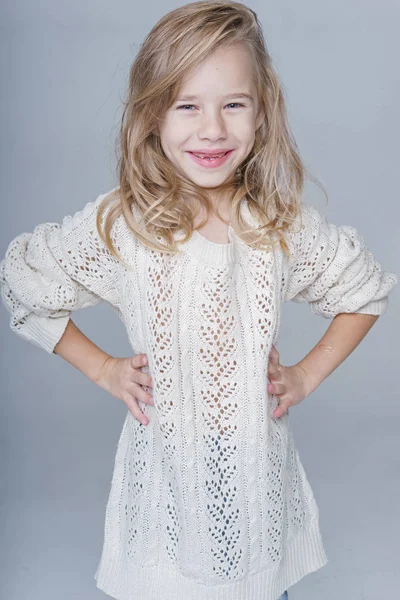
310	224
87	215
308	216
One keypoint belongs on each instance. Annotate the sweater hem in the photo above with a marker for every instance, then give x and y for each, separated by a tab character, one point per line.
45	332
123	580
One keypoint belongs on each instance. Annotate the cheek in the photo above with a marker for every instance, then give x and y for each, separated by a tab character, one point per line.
243	129
249	128
175	134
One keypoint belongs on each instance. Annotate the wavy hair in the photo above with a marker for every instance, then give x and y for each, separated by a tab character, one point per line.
271	177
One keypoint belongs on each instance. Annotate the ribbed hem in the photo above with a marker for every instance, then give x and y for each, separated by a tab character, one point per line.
376	307
124	580
44	332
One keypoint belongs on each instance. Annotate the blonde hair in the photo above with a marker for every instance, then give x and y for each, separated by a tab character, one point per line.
272	175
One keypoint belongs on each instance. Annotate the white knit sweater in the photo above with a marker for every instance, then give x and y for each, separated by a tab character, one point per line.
209	501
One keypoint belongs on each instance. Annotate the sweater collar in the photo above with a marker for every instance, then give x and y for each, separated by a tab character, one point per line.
208	252
212	253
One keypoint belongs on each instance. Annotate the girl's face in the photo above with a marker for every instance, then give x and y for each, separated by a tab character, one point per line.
210	114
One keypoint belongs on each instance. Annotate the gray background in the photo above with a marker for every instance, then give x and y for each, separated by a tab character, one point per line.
64	69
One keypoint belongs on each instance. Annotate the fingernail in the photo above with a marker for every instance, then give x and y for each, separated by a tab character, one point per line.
144	360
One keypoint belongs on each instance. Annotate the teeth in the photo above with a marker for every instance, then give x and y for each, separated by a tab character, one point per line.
209	157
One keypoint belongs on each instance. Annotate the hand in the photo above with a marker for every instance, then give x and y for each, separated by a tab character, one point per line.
122	378
288	383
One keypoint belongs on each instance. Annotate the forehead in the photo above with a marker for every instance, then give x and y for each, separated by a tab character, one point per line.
227	70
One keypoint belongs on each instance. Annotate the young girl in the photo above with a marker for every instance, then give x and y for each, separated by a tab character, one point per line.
196	250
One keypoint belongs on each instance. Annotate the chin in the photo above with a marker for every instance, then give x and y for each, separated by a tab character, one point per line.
213	178
208	185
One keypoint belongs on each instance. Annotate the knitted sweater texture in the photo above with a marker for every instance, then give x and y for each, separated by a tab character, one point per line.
210	501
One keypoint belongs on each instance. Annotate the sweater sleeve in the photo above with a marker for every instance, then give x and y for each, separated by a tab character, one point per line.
332	269
56	269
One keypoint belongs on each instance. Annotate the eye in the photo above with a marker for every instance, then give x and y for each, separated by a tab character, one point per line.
191	105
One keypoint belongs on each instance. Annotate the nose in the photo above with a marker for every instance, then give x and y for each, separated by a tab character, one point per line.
212	127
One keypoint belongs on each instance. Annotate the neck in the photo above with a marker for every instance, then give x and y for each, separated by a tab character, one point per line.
223	204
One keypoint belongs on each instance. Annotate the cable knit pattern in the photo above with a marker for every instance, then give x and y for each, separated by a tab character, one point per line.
334	270
53	271
210	501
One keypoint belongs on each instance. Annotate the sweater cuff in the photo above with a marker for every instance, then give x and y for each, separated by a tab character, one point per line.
375	307
44	332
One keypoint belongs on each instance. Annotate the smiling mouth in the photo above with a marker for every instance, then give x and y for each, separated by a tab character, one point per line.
211	157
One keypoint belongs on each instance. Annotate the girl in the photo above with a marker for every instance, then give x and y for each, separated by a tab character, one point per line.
196	250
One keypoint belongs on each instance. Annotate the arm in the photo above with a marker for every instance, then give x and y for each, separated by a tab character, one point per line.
58	268
81	352
332	269
343	335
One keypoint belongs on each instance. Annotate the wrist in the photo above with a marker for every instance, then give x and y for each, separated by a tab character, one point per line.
98	372
310	379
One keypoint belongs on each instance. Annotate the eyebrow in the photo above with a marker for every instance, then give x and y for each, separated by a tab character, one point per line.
234	95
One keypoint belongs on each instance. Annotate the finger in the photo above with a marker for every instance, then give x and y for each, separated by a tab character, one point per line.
274	366
138	392
280	410
138	361
134	408
275	372
141	378
274	356
276	388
